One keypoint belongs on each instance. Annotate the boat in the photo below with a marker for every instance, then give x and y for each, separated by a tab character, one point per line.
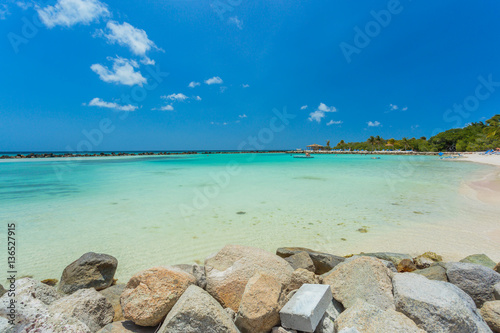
375	158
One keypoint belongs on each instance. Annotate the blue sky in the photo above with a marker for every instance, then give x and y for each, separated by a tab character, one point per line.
115	75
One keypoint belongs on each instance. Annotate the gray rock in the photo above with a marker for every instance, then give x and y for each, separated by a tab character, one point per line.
491	315
92	270
496	291
126	326
197	271
2	290
350	330
46	294
88	306
395	258
480	259
435	272
476	280
369	318
301	260
231	313
113	294
326	324
423	262
323	262
436	306
196	311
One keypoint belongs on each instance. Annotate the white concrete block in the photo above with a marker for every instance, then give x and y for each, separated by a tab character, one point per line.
306	308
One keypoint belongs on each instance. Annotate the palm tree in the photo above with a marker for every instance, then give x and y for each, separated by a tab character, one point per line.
404	141
391	141
328	143
371	140
493	129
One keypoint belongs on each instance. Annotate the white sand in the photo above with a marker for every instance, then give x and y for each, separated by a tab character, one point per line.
484	159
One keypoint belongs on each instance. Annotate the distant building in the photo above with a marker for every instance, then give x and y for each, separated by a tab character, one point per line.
315	147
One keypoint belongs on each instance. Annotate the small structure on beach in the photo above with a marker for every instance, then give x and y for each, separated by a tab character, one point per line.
315	147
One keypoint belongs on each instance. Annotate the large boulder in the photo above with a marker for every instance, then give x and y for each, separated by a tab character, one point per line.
301	276
151	294
46	294
435	272
229	270
126	326
436	306
301	260
496	291
88	306
32	315
480	259
113	295
197	311
323	262
368	318
92	270
395	258
476	280
260	304
491	315
326	324
195	270
364	278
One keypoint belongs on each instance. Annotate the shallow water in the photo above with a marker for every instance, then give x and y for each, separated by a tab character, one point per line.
161	210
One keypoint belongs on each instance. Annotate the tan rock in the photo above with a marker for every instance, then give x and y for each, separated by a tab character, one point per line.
366	278
229	270
151	294
260	304
301	260
367	318
491	315
406	266
301	276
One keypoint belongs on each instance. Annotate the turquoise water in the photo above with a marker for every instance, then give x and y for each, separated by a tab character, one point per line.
163	210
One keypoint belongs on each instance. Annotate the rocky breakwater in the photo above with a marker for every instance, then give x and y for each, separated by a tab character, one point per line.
244	289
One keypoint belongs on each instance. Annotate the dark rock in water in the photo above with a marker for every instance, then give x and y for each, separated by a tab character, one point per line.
241	213
113	294
50	282
323	262
2	290
406	266
395	258
480	259
301	260
363	230
476	280
126	326
92	270
435	272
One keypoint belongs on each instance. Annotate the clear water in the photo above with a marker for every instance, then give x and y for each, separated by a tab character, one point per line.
163	210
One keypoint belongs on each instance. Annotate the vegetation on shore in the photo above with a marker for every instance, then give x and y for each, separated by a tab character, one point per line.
478	136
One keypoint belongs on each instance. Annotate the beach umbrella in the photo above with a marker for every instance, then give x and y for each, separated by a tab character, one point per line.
441	154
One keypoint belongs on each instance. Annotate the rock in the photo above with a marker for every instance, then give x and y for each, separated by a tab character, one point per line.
301	260
280	329
395	258
323	262
88	306
113	294
326	324
197	311
32	315
436	272
436	306
126	327
491	315
497	268
231	313
151	294
229	270
406	265
92	270
433	256
306	308
2	290
367	318
50	282
350	330
300	277
365	278
46	294
423	262
480	259
496	291
197	271
260	304
476	280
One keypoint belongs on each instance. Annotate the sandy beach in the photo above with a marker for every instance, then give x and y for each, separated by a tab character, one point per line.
483	159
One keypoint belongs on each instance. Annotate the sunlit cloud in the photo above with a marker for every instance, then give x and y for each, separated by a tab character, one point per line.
111	105
214	80
123	72
70	12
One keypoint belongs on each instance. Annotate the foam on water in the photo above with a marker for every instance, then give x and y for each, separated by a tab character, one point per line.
163	210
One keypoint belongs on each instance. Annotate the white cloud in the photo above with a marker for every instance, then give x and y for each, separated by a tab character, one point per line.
193	84
70	12
331	122
244	85
4	11
127	35
147	61
405	108
242	116
214	80
109	105
198	98
320	112
303	107
123	72
165	108
393	107
176	97
24	5
236	21
373	124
